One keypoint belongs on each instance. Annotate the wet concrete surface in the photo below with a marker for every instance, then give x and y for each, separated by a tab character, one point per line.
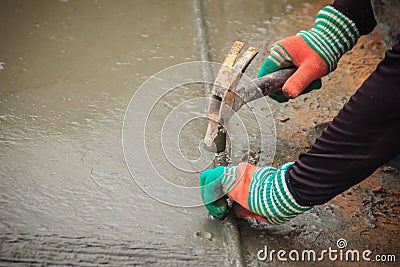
70	69
67	197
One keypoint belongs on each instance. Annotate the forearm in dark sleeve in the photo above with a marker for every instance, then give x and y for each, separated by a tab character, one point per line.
360	12
363	136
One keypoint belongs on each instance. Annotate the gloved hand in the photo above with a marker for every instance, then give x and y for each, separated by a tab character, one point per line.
315	52
261	192
212	193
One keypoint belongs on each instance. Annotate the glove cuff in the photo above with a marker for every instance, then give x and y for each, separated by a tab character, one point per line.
333	35
269	195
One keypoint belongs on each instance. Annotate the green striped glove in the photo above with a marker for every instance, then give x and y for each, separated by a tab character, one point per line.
261	192
315	52
212	193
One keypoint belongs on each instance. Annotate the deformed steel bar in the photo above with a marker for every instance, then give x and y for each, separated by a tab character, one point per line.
231	232
387	16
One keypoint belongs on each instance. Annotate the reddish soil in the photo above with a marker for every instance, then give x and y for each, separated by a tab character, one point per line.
370	211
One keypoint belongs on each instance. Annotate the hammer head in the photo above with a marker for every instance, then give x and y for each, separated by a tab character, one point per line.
224	86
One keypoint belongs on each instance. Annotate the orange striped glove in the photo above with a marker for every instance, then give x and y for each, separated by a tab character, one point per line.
262	193
315	52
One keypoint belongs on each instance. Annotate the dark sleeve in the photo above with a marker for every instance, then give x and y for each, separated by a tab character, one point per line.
363	136
360	12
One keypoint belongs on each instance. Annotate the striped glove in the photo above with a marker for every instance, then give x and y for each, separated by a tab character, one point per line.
261	191
315	52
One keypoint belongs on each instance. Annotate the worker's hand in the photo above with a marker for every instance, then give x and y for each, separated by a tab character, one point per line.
315	52
262	193
212	193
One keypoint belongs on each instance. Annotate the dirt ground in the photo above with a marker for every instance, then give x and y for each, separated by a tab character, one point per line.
367	215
